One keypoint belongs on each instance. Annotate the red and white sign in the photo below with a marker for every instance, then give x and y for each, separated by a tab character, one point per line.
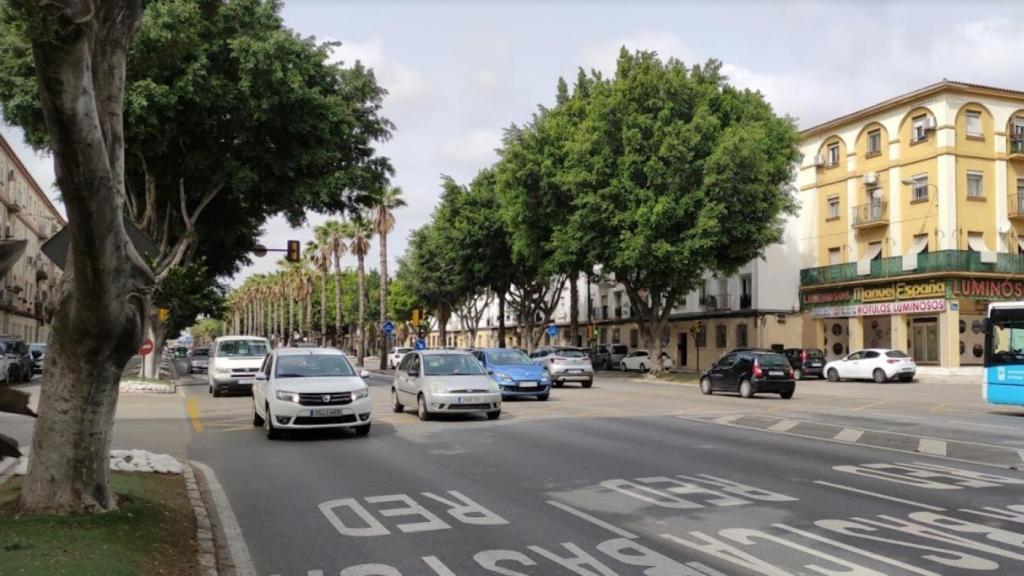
147	347
881	308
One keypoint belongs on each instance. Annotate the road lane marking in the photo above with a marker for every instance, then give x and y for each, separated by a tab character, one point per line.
1021	454
193	414
237	548
235	429
939	407
932	446
783	425
882	496
872	405
998	426
848	435
595	521
854	549
728	419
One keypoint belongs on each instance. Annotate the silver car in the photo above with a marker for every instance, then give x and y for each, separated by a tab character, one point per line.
565	365
444	382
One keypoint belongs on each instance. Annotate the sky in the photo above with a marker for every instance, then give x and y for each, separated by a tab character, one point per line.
459	72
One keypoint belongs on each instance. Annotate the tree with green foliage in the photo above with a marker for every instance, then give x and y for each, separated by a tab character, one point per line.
207	330
383	211
332	235
676	174
359	231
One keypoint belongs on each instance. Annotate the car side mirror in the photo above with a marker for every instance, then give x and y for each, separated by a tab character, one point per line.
261	376
490	372
364	374
412	372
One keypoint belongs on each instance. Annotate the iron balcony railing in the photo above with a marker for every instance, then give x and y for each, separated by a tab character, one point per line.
927	262
1016	145
870	214
1015	205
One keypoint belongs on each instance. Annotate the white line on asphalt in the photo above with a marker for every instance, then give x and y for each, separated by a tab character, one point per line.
932	446
1021	454
595	521
315	573
228	523
1014	428
848	435
856	550
437	566
783	425
882	496
728	419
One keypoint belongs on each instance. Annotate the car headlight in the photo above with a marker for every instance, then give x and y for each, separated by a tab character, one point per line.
438	388
544	379
505	378
361	393
288	396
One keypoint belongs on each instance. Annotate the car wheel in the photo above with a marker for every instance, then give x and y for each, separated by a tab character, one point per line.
257	420
879	376
494	414
746	389
588	383
421	408
216	392
787	394
798	374
268	425
833	375
396	404
622	367
544	397
643	368
705	386
363	430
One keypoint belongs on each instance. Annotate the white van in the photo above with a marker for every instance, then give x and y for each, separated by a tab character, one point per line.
234	361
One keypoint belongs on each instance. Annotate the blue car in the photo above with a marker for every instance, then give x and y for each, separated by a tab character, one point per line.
515	373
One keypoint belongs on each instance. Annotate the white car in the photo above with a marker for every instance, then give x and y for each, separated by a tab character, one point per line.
636	361
444	381
878	364
395	358
310	388
234	361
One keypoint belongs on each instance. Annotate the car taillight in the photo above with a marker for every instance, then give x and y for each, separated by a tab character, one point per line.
757	370
803	356
893	361
789	372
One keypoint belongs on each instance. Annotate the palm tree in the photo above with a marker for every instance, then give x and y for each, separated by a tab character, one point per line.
320	253
333	232
384	224
359	231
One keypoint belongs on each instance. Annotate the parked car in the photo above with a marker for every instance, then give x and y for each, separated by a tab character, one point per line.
515	373
600	357
444	381
878	364
198	360
565	364
616	353
234	362
636	361
750	372
16	365
310	388
395	357
806	362
38	352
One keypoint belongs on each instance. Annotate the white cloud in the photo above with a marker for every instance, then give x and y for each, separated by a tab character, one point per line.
485	81
472	150
403	83
603	56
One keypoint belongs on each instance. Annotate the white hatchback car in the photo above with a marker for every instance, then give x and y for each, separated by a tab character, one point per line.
309	388
878	364
395	357
444	381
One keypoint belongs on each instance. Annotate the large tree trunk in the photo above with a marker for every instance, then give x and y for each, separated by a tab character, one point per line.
501	319
323	306
444	311
79	49
360	340
383	298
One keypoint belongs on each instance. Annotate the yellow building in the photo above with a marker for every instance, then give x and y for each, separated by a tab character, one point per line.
912	220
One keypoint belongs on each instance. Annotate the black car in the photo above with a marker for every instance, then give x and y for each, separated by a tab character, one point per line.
17	362
806	362
750	372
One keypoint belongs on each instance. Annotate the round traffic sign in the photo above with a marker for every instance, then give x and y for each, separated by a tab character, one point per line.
147	347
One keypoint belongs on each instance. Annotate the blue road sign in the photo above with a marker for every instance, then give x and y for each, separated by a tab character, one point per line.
552	331
388	327
421	344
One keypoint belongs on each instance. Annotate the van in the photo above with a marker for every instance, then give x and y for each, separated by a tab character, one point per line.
234	361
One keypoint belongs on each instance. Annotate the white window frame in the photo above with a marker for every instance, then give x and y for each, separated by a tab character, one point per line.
920	184
918	130
839	255
833	154
968	117
833	202
876	135
980	178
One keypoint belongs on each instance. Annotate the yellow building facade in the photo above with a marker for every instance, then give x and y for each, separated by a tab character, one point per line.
912	221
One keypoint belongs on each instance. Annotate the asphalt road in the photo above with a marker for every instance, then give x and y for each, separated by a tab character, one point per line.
633	478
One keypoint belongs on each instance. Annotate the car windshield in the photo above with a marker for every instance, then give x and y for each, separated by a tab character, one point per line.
37	348
772	361
313	366
507	358
8	346
200	352
242	349
570	353
814	353
896	354
451	365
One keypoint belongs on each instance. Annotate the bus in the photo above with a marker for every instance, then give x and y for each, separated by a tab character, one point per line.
1004	354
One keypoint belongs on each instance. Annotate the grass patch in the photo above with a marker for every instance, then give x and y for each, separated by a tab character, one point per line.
153	532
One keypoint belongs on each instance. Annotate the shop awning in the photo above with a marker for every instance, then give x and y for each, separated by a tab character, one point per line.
910	258
977	244
864	264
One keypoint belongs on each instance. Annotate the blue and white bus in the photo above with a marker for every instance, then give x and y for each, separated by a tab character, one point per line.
1004	353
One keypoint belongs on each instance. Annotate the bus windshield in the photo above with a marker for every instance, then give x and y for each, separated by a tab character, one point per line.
1006	343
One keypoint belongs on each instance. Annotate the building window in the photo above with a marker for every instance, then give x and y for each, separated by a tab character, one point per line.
634	338
919	189
741	336
721	336
833	154
833	208
834	257
875	142
974	181
973	123
920	128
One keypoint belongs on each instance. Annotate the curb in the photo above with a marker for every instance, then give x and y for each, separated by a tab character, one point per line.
232	532
204	530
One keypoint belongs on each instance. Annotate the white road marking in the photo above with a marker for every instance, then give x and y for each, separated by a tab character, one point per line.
848	435
229	524
783	425
728	419
997	426
315	573
882	496
595	521
932	446
1021	454
861	551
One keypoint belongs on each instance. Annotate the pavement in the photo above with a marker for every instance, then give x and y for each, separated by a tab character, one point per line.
628	477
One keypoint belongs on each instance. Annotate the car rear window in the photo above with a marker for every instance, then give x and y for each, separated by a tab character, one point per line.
772	361
896	354
619	349
571	353
201	352
814	353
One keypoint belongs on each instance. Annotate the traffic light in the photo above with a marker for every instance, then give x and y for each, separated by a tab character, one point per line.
163	314
294	251
416	317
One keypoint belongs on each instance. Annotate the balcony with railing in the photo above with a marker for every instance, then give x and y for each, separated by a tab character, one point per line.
1016	148
717	302
942	261
1015	206
874	213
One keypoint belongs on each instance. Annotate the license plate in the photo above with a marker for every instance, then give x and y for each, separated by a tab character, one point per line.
775	373
907	369
247	381
328	412
573	371
527	384
468	400
814	364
